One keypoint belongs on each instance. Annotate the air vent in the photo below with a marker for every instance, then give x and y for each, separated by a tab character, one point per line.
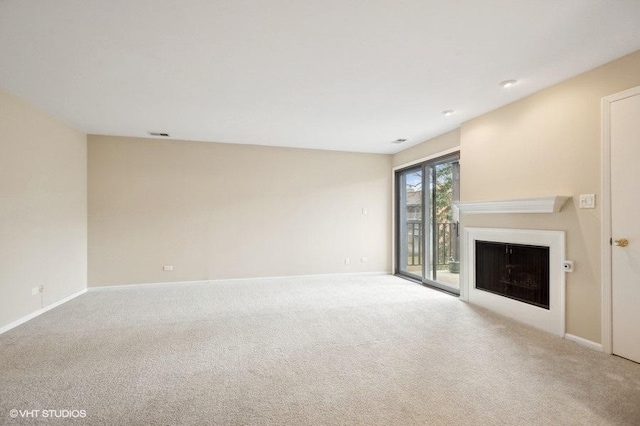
164	135
399	141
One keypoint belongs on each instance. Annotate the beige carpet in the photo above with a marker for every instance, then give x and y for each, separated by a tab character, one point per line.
374	350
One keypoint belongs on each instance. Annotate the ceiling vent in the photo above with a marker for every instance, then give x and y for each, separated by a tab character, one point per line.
164	135
399	141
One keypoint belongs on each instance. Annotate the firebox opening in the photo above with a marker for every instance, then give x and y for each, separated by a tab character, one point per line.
516	271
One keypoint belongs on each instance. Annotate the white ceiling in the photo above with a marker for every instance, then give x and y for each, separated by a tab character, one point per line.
348	75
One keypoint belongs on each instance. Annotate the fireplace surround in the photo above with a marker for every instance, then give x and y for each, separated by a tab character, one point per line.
517	273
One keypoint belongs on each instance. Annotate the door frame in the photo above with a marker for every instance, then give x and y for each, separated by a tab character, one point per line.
396	231
394	169
605	234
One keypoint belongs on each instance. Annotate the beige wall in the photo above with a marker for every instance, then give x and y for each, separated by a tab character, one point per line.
218	211
433	146
43	209
549	144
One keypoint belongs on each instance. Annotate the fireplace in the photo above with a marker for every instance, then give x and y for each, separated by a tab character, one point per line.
517	271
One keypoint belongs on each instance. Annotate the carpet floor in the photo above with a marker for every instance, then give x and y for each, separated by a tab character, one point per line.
335	350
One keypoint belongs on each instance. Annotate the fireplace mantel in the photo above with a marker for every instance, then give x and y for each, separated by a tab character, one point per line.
551	204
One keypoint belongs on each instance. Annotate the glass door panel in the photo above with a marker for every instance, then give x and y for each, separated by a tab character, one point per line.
428	245
410	224
445	184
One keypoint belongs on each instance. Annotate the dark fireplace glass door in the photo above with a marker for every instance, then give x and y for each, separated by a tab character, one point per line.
517	271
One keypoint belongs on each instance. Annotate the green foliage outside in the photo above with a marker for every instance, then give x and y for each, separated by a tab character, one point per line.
444	193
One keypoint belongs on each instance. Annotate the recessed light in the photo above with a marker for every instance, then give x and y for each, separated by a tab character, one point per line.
164	135
399	141
508	83
447	112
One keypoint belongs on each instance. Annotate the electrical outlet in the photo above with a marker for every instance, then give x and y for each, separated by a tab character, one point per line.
365	211
41	289
364	259
567	266
167	268
347	261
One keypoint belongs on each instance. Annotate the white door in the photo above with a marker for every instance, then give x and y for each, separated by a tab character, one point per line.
625	226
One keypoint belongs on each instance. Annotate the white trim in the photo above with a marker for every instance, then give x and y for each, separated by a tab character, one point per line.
39	312
146	285
427	158
464	265
176	283
551	204
605	231
551	320
584	342
345	274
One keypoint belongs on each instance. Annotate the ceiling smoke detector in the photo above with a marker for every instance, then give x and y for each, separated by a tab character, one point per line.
447	112
164	135
507	83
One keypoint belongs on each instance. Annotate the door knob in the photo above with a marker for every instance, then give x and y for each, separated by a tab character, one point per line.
622	242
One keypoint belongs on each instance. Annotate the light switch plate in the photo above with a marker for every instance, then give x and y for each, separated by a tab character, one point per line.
587	201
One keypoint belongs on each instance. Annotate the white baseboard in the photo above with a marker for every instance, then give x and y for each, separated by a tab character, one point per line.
172	283
584	342
342	274
147	285
40	311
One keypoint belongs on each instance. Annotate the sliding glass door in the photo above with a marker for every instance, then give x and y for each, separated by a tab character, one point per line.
411	241
427	237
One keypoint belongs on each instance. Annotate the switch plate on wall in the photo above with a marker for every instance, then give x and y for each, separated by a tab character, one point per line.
587	201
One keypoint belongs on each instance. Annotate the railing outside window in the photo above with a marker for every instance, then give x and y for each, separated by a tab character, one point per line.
414	241
446	241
